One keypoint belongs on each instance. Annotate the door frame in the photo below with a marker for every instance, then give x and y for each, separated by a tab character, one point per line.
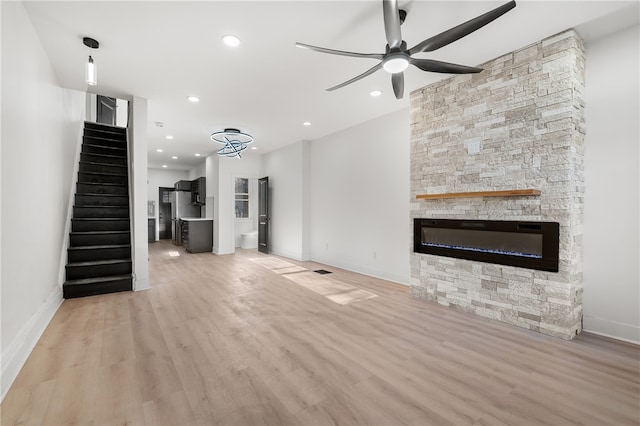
168	223
233	204
264	209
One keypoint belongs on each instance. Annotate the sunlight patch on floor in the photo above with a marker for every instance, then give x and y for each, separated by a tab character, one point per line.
332	289
174	253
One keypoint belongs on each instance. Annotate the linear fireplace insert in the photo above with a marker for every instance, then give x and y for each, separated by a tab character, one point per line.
532	245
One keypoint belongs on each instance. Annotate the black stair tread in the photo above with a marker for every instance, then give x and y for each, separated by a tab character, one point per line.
99	262
97	280
102	183
104	155
97	232
102	164
121	141
93	124
92	206
99	247
101	174
118	148
100	218
96	194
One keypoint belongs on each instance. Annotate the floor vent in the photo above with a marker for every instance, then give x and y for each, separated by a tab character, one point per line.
322	272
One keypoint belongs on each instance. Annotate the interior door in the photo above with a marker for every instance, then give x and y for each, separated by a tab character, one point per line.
263	215
106	110
164	213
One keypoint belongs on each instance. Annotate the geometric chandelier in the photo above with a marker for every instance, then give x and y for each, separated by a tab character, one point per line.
234	142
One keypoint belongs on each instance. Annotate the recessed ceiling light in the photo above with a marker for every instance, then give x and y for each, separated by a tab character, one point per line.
159	150
375	93
231	40
254	147
169	137
193	99
174	157
306	123
197	155
164	166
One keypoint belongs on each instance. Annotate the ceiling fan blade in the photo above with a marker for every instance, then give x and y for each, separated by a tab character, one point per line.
456	33
392	23
354	79
444	67
397	80
340	52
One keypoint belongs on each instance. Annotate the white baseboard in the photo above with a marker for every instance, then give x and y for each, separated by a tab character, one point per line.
17	352
613	329
383	275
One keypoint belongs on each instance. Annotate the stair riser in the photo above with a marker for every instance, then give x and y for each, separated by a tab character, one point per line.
94	133
97	271
105	127
99	225
98	240
103	168
83	188
102	200
103	159
72	291
108	143
94	149
91	178
88	255
118	212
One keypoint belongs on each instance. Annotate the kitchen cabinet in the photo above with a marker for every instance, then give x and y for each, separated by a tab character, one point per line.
182	185
198	191
197	235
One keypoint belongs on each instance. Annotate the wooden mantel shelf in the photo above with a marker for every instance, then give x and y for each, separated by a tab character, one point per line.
507	193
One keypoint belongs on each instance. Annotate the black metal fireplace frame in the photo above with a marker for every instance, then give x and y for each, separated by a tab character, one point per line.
550	241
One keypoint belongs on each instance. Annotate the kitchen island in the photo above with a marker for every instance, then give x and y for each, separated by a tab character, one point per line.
197	234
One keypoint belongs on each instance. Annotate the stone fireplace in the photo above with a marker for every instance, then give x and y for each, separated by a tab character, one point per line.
518	124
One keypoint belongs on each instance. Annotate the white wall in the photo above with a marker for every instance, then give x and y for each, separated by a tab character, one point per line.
611	254
242	225
41	128
212	172
221	173
138	189
161	178
360	198
289	175
197	171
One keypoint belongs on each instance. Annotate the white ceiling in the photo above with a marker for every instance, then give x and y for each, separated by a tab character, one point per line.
165	51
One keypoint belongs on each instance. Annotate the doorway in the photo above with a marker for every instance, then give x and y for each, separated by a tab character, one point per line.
164	213
106	110
263	215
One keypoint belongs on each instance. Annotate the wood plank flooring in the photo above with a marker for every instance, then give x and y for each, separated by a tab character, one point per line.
220	340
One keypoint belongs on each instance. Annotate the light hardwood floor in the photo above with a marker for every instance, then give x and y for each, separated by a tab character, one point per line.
222	340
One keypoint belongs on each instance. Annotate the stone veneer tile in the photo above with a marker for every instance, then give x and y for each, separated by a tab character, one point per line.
526	110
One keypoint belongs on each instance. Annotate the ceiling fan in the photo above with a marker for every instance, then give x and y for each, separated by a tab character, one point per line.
397	57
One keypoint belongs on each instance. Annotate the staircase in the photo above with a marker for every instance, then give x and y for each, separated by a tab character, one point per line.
99	253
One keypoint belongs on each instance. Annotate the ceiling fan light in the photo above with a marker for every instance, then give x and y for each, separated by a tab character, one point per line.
395	64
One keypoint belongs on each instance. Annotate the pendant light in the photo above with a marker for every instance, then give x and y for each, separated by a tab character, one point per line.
91	74
234	142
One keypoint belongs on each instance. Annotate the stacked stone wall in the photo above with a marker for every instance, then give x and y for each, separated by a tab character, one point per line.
525	113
